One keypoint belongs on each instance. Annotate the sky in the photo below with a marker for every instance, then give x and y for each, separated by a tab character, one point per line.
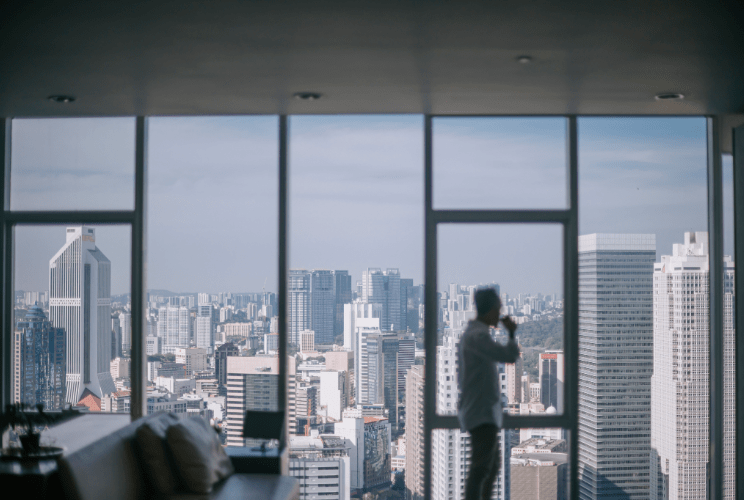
356	194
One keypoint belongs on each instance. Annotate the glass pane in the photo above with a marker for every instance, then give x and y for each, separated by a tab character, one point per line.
356	240
533	463
729	331
493	163
212	268
72	164
643	322
524	264
72	335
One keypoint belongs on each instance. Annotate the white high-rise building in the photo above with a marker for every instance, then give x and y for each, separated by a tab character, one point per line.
357	315
451	447
334	392
204	334
321	465
125	324
173	327
680	382
299	311
80	302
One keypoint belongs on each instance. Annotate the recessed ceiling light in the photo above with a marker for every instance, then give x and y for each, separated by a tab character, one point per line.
524	59
669	96
61	98
308	96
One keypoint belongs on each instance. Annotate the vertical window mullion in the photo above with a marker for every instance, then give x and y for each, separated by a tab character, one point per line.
715	256
283	388
138	405
571	304
430	307
6	274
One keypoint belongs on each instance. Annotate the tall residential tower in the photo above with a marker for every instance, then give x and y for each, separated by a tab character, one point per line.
680	383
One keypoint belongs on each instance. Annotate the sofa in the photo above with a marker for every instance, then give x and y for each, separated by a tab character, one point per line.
112	469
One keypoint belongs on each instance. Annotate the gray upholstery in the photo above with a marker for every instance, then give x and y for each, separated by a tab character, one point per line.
249	487
110	469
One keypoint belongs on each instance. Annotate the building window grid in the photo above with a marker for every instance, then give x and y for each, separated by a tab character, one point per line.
137	217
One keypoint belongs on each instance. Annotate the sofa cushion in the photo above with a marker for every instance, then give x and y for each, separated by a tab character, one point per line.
197	453
155	454
108	468
249	487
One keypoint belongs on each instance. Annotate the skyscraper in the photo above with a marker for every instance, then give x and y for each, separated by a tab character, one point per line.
406	359
451	447
220	361
323	303
80	303
342	293
615	360
125	323
383	288
514	381
40	353
551	370
299	304
406	289
357	315
203	332
253	384
174	326
680	382
415	433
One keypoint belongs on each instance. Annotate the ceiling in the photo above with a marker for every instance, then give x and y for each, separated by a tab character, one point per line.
409	56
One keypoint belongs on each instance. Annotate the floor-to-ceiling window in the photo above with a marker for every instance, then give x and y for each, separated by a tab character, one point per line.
597	232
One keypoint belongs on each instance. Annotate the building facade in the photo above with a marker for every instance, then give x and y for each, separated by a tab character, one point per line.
39	359
415	433
615	356
342	294
299	304
680	382
80	303
323	305
383	287
174	327
252	384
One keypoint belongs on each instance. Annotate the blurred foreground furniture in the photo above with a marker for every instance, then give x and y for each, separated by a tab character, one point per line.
265	425
112	469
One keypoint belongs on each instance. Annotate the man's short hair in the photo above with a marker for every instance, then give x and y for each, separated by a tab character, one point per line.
486	299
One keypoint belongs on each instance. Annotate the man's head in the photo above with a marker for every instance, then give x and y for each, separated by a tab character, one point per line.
488	305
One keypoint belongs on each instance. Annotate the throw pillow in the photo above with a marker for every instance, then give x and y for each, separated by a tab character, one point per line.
153	448
200	459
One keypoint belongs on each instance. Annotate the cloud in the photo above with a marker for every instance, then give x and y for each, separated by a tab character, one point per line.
356	193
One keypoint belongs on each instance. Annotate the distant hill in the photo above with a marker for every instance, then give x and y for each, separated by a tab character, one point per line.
536	337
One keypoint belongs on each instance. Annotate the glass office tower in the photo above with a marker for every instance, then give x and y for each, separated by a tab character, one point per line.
616	363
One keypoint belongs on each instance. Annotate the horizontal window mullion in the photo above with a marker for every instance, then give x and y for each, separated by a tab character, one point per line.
503	216
70	217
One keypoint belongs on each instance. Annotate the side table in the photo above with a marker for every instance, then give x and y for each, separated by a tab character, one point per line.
35	479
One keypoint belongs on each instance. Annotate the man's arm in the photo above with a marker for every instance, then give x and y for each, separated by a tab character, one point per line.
485	347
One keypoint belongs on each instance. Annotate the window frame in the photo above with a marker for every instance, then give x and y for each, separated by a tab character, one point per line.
567	217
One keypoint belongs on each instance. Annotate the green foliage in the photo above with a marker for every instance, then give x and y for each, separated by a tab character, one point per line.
536	337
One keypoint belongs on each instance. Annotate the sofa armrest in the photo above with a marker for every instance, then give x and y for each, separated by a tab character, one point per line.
247	460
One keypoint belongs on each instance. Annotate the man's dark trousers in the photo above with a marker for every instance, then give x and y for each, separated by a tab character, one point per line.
485	460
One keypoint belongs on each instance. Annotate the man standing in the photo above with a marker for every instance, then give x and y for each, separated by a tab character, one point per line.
480	412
